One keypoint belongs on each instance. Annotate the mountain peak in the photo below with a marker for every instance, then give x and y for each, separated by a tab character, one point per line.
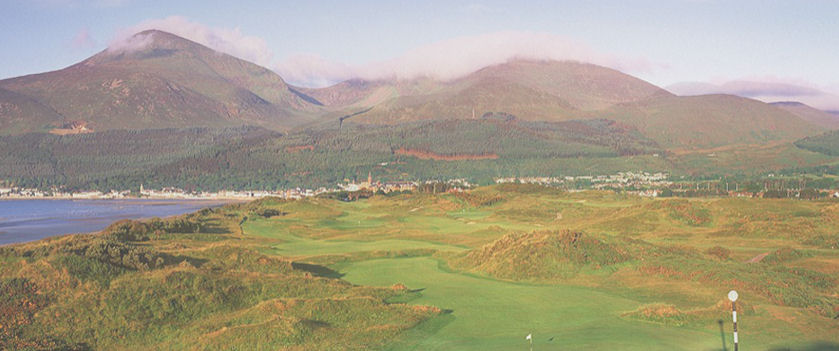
153	39
155	79
148	44
158	32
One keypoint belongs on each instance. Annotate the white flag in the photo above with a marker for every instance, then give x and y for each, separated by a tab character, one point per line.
529	337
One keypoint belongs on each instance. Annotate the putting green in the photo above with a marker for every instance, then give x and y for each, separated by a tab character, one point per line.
495	315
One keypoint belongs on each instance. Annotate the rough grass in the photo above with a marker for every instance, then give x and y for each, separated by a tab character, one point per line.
109	291
541	255
478	270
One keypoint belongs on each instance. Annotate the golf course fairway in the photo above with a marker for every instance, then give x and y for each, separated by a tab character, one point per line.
488	314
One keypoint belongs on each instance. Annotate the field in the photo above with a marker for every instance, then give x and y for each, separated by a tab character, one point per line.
475	270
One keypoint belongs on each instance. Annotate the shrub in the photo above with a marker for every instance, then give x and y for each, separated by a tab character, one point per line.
118	254
479	199
132	230
719	252
784	254
542	255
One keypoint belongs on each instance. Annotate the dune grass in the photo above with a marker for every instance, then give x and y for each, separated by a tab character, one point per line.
481	270
489	309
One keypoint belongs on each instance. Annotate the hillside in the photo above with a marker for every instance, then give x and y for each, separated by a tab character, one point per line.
156	80
561	90
826	143
532	90
810	114
186	283
541	255
20	113
710	121
256	158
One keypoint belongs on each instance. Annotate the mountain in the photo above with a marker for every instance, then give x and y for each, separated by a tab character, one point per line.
153	79
18	112
156	80
562	90
707	121
531	90
810	114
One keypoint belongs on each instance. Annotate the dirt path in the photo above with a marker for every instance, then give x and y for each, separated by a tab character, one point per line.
758	258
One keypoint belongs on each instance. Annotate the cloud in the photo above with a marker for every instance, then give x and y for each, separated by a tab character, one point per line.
130	43
454	58
444	60
227	40
311	70
768	89
83	40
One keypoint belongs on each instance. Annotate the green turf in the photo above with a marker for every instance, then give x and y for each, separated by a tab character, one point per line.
496	315
491	314
297	246
501	262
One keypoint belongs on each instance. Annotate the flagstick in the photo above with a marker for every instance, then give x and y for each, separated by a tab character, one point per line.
734	316
732	295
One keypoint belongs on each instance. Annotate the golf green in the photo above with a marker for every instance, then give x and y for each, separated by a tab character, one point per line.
488	314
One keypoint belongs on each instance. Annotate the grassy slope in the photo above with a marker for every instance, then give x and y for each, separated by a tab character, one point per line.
20	113
748	159
810	114
827	143
185	290
681	257
710	121
688	278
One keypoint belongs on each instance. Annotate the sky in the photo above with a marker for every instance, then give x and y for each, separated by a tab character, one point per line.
767	49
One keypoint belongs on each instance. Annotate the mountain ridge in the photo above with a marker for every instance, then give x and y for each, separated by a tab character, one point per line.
156	79
168	81
810	114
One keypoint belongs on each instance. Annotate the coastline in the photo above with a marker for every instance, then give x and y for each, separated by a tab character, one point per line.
29	220
152	198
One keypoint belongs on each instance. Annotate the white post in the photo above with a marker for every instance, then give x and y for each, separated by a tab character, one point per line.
732	295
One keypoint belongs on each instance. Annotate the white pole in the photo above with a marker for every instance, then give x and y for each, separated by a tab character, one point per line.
732	295
734	316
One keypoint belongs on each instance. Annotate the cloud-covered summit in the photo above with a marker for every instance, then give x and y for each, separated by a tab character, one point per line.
227	40
454	58
444	60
